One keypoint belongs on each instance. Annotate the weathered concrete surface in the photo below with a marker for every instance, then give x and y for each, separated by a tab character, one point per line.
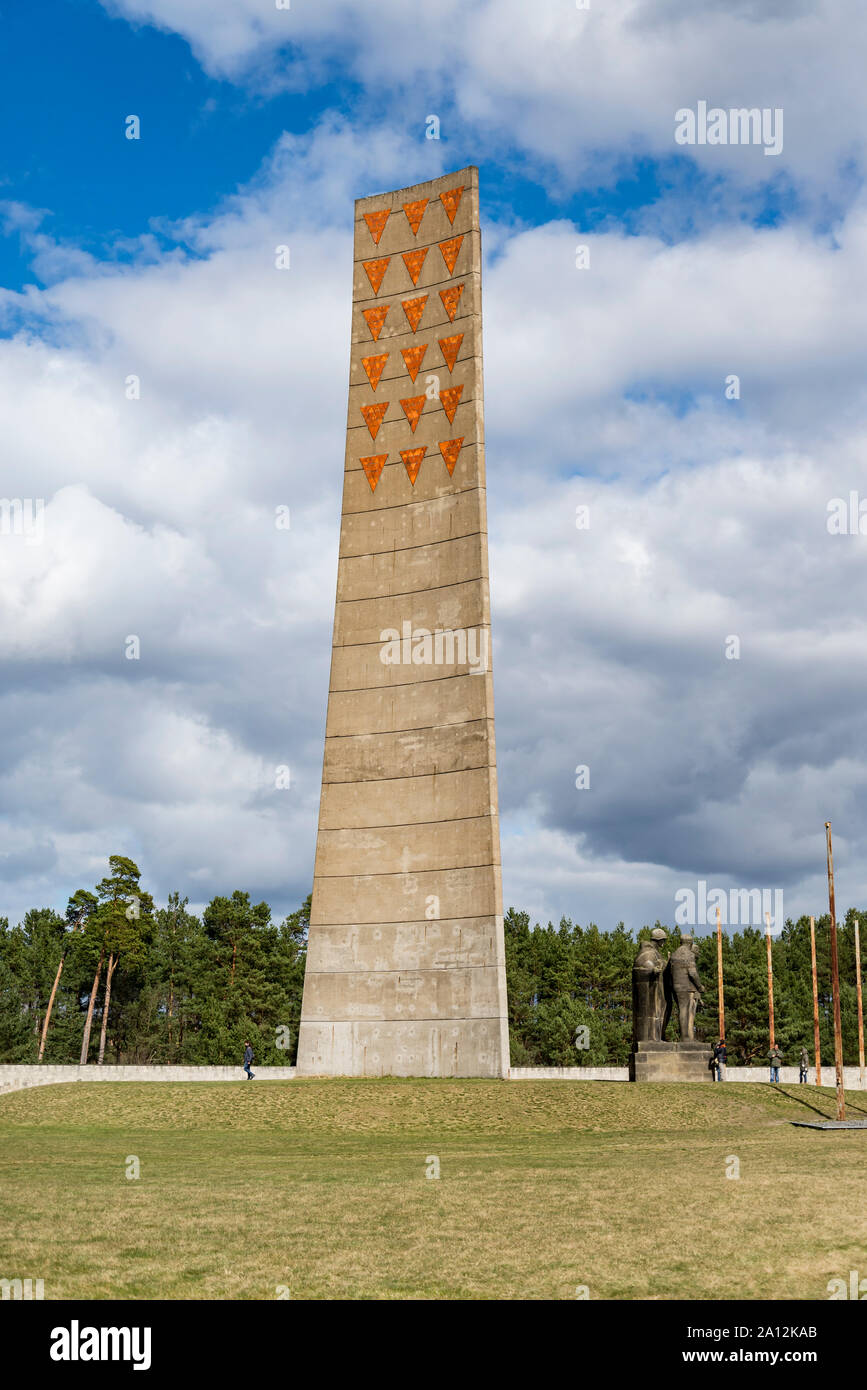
569	1074
16	1076
406	965
687	1060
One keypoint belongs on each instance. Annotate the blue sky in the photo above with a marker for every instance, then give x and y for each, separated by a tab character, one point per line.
65	150
603	387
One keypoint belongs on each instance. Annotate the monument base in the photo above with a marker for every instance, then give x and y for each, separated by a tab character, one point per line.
670	1061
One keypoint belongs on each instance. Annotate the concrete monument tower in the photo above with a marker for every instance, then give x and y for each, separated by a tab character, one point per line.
406	963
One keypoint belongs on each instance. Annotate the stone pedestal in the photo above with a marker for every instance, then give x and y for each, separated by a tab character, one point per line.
670	1061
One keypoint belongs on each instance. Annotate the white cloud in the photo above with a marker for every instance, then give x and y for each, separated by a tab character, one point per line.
583	91
603	387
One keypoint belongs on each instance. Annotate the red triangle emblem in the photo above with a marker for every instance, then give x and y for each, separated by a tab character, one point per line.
375	319
376	223
450	400
414	308
374	367
414	213
450	250
414	260
412	409
450	349
373	416
450	300
451	201
413	358
375	271
412	461
373	467
449	448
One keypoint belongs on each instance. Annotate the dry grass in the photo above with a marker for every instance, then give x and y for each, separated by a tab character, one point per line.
320	1186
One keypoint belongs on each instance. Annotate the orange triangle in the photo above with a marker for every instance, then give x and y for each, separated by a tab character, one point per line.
374	367
412	409
414	260
373	416
375	319
373	467
450	349
375	271
449	448
450	400
413	358
376	223
450	300
450	201
412	461
450	250
414	308
414	213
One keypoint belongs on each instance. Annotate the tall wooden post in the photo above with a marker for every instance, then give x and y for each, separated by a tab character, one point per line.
816	1044
860	1002
770	977
719	978
835	982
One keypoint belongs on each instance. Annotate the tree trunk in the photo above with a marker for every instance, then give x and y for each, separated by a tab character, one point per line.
85	1042
171	1003
48	1010
112	963
234	952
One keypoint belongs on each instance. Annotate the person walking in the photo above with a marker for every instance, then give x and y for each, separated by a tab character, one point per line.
776	1057
248	1060
720	1057
804	1065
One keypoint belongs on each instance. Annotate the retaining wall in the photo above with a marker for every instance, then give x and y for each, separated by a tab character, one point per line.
17	1076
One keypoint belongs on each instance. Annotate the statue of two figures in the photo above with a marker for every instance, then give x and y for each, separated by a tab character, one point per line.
657	983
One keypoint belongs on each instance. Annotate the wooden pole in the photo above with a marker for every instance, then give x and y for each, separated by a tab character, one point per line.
719	979
835	982
770	977
816	1044
860	1002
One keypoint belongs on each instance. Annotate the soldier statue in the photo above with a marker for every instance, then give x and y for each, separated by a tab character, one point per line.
682	982
648	992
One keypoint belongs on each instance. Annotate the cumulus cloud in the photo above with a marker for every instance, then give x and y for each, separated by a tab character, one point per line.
581	91
605	388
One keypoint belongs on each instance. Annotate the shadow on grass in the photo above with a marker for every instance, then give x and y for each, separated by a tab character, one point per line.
802	1100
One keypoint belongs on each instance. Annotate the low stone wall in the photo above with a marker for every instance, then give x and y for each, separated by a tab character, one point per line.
18	1076
569	1074
788	1075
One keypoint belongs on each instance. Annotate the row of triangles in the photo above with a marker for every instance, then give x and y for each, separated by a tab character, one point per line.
413	358
414	213
413	308
412	407
414	260
373	466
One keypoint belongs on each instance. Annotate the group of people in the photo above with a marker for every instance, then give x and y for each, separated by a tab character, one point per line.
718	1062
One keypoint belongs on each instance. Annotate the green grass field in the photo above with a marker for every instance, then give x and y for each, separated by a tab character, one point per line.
321	1187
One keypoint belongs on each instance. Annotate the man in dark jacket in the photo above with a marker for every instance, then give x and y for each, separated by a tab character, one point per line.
720	1057
776	1062
248	1060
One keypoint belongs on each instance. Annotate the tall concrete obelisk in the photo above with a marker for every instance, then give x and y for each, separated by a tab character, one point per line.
406	962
